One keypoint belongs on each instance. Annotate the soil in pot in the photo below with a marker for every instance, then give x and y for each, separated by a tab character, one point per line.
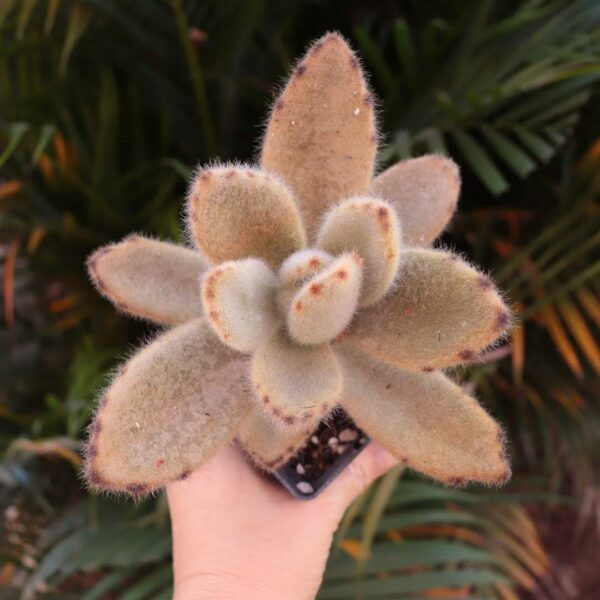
332	447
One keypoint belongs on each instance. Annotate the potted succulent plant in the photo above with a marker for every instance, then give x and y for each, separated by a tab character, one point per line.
310	314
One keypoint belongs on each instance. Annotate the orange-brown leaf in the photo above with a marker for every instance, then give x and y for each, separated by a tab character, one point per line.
9	188
581	333
561	340
35	238
8	284
590	303
517	338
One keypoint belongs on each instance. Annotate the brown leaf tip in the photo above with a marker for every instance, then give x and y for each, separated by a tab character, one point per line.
383	213
502	319
467	355
357	258
91	451
92	261
273	463
318	45
300	70
132	237
137	489
457	482
504	478
485	282
332	36
502	437
94	478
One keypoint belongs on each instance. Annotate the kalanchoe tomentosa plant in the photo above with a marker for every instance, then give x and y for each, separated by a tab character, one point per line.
312	287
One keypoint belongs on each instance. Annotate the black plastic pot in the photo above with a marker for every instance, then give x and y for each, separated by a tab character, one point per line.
304	482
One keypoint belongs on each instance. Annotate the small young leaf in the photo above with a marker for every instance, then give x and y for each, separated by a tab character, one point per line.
239	303
370	228
322	309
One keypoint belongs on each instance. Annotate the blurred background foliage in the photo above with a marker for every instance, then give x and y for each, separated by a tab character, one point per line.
106	106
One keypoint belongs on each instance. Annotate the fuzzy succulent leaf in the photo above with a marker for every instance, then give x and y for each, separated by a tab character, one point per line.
267	443
424	191
369	227
428	422
150	279
442	313
239	303
170	408
325	305
300	266
296	384
296	270
321	136
240	212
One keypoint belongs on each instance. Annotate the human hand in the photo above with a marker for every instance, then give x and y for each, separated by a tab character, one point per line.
236	534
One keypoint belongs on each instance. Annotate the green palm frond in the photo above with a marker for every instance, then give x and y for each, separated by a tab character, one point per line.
432	539
90	538
505	94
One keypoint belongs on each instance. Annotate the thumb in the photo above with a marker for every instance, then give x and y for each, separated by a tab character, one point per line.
370	464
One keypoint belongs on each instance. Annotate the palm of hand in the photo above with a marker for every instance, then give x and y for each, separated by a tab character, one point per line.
238	534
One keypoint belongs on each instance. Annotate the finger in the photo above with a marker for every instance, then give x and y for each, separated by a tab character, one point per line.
370	464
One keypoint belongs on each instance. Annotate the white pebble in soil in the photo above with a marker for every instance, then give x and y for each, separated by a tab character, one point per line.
304	487
300	469
348	435
333	442
314	439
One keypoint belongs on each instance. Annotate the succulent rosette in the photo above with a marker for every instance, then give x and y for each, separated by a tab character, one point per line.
312	287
